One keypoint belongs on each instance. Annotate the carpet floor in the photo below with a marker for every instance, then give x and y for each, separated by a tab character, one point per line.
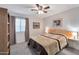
22	49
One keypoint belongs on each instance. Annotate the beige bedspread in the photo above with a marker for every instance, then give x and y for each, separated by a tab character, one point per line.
50	44
62	39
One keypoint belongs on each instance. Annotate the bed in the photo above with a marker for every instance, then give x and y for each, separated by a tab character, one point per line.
48	43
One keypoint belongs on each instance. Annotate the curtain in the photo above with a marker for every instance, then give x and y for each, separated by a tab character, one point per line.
27	29
12	31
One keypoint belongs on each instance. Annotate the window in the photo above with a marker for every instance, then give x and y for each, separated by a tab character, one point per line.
20	24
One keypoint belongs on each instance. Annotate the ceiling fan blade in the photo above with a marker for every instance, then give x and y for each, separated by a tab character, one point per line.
46	7
38	5
40	8
45	11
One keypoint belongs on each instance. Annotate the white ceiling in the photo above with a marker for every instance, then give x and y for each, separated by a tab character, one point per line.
25	9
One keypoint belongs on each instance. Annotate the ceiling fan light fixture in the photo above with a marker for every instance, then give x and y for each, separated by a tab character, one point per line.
40	12
41	9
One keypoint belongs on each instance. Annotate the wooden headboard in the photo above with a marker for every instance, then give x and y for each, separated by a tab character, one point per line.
68	34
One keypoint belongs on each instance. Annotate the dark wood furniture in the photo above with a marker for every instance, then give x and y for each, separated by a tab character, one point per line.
37	48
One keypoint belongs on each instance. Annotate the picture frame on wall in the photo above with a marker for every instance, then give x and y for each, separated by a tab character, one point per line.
36	25
58	23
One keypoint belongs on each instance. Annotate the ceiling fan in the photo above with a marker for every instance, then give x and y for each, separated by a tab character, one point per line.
40	8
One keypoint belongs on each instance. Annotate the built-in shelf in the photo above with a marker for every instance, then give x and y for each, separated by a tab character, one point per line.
8	23
8	33
8	44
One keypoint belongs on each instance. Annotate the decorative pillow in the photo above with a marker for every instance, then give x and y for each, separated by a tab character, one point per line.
69	35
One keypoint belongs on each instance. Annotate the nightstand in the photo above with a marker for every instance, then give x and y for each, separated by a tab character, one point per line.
73	43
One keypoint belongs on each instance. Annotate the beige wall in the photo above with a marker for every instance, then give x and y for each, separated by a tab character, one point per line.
34	32
70	17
